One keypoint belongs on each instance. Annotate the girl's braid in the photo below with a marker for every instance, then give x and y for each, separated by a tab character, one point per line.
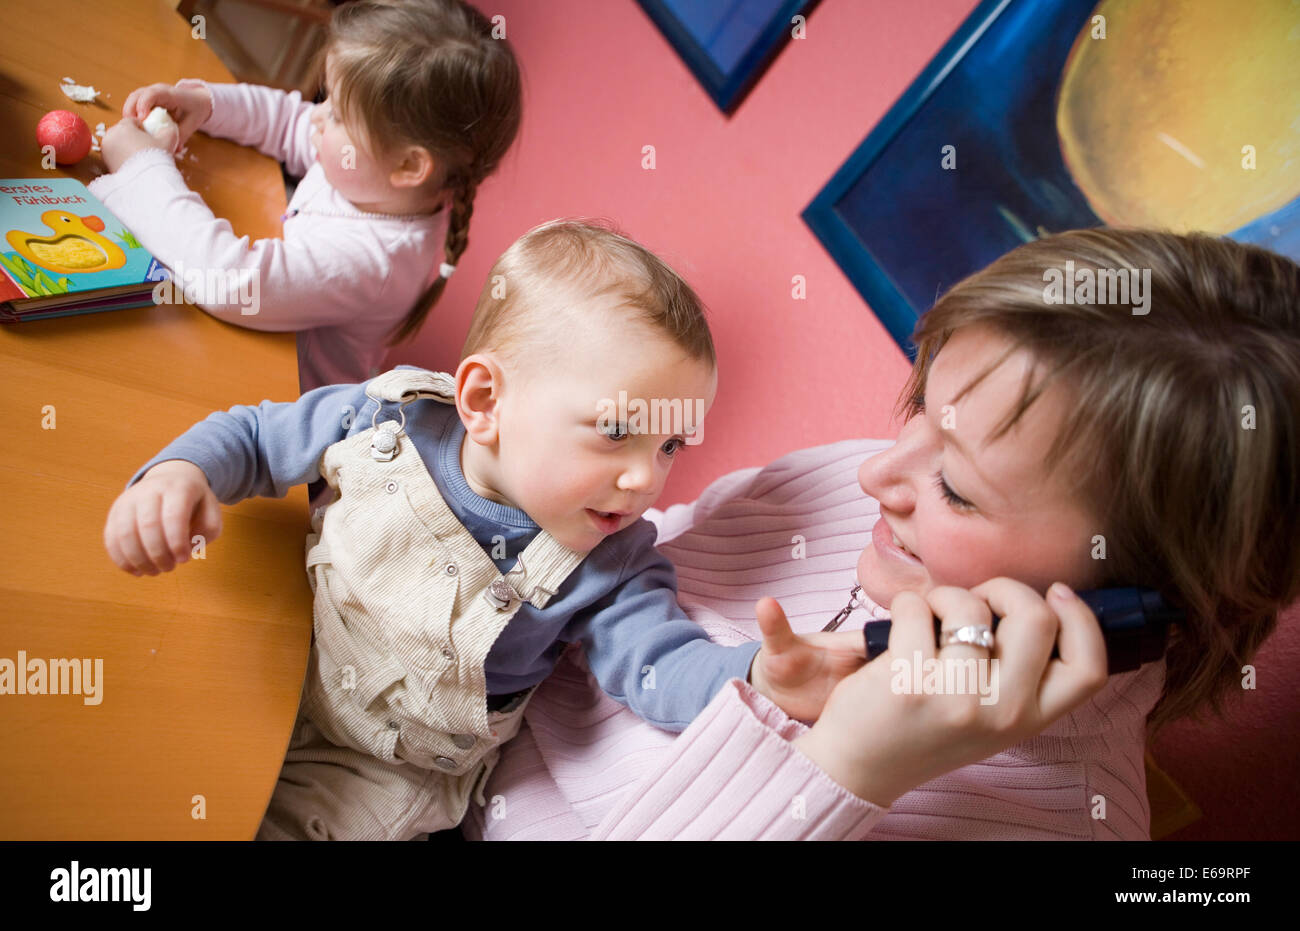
462	209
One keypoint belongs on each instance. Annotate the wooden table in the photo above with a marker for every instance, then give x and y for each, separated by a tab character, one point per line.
202	667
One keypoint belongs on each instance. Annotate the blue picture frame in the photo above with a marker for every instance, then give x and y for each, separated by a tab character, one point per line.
835	230
729	56
904	232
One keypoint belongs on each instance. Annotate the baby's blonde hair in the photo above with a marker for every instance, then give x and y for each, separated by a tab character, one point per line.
427	73
1184	431
577	259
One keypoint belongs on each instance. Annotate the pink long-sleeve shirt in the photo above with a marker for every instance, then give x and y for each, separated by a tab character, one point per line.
341	278
583	767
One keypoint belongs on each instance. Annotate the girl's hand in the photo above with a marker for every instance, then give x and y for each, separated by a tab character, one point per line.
188	102
124	140
799	672
149	525
879	743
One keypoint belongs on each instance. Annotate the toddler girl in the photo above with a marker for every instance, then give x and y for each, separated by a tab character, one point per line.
423	103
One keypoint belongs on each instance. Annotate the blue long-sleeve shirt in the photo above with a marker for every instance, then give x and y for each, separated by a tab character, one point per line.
620	603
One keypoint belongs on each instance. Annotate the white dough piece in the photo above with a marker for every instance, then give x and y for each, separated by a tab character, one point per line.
78	92
159	120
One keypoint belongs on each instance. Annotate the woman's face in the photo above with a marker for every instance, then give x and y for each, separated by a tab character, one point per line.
1013	519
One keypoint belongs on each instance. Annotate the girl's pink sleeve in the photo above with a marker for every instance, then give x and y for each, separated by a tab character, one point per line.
274	122
331	277
734	775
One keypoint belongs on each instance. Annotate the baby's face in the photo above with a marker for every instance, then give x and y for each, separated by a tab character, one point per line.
1013	519
569	457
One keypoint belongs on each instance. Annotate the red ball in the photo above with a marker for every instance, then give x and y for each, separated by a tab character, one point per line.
67	132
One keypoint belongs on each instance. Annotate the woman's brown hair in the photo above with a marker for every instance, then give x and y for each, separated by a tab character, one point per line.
428	73
1185	428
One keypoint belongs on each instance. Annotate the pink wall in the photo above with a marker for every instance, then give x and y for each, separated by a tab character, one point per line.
723	208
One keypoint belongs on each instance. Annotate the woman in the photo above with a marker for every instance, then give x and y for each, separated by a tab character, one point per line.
1145	438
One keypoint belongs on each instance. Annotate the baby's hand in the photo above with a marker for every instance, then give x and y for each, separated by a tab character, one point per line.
188	102
799	672
124	140
149	526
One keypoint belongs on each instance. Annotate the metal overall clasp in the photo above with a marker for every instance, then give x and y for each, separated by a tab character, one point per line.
383	442
501	593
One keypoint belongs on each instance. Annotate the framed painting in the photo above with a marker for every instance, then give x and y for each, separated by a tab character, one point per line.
727	44
1040	116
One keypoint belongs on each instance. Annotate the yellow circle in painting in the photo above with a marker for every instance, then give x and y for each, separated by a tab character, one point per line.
1155	118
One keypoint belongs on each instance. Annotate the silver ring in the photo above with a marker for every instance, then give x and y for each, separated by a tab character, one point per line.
974	635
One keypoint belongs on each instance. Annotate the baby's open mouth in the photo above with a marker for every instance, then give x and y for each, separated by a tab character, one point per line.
607	521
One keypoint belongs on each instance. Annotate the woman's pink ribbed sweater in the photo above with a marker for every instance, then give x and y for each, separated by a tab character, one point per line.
585	767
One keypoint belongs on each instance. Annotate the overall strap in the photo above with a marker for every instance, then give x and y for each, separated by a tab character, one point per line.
409	384
541	569
544	564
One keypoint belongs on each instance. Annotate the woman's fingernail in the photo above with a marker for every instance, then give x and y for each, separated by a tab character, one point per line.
1061	592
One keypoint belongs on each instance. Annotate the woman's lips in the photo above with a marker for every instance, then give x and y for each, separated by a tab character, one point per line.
882	538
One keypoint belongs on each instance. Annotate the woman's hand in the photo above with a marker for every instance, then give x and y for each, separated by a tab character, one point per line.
189	103
149	525
880	741
799	672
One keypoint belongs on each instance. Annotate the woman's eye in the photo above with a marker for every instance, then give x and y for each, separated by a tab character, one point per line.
951	496
672	447
616	431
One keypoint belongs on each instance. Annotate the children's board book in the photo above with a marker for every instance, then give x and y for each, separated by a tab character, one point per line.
62	252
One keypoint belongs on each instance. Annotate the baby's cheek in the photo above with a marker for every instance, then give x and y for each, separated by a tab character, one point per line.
553	488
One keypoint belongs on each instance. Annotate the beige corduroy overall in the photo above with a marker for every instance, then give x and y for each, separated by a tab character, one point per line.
394	734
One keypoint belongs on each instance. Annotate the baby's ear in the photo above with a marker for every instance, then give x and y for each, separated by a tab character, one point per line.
478	397
415	166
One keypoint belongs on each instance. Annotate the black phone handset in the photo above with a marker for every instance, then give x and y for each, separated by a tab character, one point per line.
1134	622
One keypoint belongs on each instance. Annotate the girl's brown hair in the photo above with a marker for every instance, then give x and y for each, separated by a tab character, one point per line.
428	73
1185	428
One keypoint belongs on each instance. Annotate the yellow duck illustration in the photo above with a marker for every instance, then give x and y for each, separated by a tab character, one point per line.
75	248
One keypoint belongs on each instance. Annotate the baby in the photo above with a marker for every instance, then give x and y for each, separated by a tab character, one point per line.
423	103
477	525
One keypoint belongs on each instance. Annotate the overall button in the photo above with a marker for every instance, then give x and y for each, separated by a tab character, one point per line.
390	487
463	741
451	568
500	593
392	725
444	762
448	654
383	445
